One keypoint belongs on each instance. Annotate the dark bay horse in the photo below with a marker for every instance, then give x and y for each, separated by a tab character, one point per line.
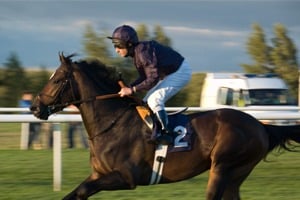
227	142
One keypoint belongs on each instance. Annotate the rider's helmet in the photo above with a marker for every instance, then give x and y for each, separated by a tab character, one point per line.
124	36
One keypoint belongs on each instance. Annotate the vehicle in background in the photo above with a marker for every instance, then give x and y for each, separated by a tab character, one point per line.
254	91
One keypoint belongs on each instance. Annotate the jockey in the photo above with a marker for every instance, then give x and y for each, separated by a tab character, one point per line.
163	72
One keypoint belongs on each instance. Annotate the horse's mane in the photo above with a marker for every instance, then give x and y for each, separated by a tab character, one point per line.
102	76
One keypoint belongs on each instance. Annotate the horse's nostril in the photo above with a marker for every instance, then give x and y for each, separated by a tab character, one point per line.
32	108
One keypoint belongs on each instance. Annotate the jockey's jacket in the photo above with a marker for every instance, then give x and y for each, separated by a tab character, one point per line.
153	62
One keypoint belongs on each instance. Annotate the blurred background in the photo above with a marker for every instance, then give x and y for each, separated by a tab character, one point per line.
214	36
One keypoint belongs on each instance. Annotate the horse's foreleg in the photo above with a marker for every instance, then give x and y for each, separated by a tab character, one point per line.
92	185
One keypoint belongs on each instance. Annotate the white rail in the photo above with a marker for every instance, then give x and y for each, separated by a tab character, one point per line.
15	115
252	108
258	112
30	118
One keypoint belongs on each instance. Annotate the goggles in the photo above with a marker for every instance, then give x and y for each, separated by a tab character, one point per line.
119	46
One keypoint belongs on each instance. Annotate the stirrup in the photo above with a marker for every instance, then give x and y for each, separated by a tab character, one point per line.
161	139
164	139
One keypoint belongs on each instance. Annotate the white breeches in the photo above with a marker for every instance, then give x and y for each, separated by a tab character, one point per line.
168	87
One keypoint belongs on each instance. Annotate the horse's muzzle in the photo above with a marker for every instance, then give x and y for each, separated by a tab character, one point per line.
40	111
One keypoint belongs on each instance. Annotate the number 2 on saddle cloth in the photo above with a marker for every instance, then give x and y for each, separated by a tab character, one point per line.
178	123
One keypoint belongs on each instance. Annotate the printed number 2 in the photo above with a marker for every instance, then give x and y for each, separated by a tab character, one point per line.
181	134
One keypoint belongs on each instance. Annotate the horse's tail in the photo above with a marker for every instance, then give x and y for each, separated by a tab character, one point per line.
283	136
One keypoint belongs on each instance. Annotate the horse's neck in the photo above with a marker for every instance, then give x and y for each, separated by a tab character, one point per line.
100	115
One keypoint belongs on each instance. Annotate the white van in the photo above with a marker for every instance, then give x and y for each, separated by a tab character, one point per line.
245	90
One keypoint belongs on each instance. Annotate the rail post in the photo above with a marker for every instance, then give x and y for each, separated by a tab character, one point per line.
24	136
57	167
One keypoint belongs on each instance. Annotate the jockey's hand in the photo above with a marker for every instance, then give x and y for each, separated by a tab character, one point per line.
125	91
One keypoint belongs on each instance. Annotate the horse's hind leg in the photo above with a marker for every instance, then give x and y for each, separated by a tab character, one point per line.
225	184
232	192
215	186
219	188
237	177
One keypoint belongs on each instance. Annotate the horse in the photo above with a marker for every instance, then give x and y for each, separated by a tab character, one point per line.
226	142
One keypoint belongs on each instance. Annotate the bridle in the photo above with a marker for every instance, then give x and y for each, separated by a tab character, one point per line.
69	79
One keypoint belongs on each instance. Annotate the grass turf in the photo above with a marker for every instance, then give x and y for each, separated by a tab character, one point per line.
28	175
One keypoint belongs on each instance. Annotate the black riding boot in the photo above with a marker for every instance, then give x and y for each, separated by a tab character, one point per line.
165	136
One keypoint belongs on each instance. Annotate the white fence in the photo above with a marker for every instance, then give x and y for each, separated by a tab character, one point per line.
15	115
56	119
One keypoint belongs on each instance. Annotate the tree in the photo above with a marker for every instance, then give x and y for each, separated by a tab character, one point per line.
94	45
280	58
284	57
143	32
38	79
259	52
160	36
14	81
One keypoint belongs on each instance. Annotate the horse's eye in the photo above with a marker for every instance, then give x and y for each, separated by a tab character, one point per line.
56	81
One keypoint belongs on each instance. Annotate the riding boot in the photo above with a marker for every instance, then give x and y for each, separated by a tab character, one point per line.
165	135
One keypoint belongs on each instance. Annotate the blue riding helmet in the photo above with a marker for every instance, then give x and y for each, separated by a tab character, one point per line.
124	34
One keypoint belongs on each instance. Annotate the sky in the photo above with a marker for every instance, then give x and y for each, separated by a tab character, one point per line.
210	34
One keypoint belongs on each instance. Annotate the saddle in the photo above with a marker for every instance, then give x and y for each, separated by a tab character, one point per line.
178	123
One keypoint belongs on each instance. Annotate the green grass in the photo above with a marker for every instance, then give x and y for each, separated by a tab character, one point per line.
10	136
28	175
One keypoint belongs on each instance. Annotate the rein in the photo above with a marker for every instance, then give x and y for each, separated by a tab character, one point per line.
98	97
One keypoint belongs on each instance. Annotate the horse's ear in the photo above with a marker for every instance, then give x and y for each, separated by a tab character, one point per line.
65	61
62	58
